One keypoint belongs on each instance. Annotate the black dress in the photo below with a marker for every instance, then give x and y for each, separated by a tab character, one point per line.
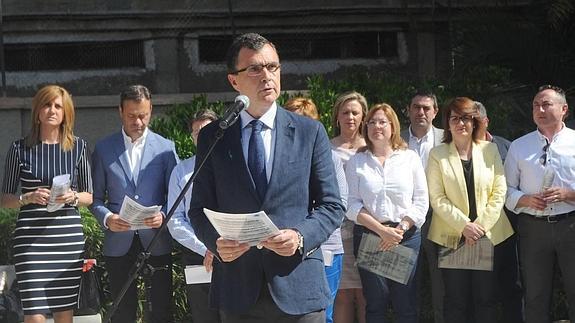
47	247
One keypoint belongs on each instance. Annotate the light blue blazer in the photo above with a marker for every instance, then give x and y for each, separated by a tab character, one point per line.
113	180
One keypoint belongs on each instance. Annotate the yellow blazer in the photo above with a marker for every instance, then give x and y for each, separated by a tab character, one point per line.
448	194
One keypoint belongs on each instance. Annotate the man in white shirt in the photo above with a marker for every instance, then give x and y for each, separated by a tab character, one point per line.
194	252
540	172
134	162
421	136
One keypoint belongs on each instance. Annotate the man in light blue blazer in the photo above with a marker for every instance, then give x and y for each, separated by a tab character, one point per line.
137	163
279	162
421	136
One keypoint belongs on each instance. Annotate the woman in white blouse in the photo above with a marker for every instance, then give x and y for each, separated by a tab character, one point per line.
387	197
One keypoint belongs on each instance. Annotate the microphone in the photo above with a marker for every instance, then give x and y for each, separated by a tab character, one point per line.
241	103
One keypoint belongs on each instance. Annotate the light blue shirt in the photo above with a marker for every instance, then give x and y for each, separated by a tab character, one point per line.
268	135
179	225
525	172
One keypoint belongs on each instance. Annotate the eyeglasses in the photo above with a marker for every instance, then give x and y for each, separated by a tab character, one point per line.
375	122
458	119
543	158
257	69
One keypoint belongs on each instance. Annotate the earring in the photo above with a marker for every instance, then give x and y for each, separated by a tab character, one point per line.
337	123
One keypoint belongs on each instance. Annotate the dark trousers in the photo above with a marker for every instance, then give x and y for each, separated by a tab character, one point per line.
508	278
265	311
198	294
541	246
436	279
472	295
118	272
380	291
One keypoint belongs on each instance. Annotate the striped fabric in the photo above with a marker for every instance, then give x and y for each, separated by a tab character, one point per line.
47	247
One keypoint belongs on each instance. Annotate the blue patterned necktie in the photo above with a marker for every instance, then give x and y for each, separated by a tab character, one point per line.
257	160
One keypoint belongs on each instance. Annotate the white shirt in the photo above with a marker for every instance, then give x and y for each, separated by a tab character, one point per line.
268	134
422	146
524	170
135	150
179	225
388	192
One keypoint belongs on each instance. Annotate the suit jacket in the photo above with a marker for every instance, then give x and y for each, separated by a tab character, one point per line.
113	180
437	135
302	172
448	194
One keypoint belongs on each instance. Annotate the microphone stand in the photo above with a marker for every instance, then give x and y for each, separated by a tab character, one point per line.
145	254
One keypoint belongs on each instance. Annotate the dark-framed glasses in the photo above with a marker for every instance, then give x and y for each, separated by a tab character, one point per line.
543	158
457	119
257	69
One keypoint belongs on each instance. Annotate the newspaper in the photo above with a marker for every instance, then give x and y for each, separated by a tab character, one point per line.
60	186
135	213
476	257
250	228
396	264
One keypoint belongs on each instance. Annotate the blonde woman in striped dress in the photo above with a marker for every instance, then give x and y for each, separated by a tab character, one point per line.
48	247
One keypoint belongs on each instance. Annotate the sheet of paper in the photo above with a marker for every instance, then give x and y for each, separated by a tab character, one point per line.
396	264
60	186
135	213
327	257
251	228
476	257
197	275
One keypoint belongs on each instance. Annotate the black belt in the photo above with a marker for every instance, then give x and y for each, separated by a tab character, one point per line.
551	218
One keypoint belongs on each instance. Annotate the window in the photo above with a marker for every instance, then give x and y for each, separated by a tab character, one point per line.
74	56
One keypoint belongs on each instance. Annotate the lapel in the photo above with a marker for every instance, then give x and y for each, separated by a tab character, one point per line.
122	153
147	154
437	136
284	142
455	163
478	169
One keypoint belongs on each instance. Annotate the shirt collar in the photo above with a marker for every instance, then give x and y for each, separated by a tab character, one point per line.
128	139
268	118
545	139
424	138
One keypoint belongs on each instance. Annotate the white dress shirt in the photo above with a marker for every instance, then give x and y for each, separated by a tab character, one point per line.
422	146
268	135
135	150
389	192
524	169
179	225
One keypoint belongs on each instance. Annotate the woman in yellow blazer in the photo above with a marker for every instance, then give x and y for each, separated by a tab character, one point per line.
467	193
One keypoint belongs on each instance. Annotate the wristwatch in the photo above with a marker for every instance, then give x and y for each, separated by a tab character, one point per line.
403	226
21	200
300	242
76	199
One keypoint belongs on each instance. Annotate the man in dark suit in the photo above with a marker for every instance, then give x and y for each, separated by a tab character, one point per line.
421	136
137	163
284	168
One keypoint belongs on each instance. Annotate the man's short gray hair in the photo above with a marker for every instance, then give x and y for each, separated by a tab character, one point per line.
481	109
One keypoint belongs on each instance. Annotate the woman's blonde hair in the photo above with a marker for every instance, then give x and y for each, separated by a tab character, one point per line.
340	101
44	96
396	141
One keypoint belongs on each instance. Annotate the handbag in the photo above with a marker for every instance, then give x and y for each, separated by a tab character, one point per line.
10	306
90	295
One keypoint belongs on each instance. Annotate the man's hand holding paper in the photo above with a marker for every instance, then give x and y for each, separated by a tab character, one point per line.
284	244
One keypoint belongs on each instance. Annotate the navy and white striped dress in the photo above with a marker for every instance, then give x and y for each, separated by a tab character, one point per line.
48	247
